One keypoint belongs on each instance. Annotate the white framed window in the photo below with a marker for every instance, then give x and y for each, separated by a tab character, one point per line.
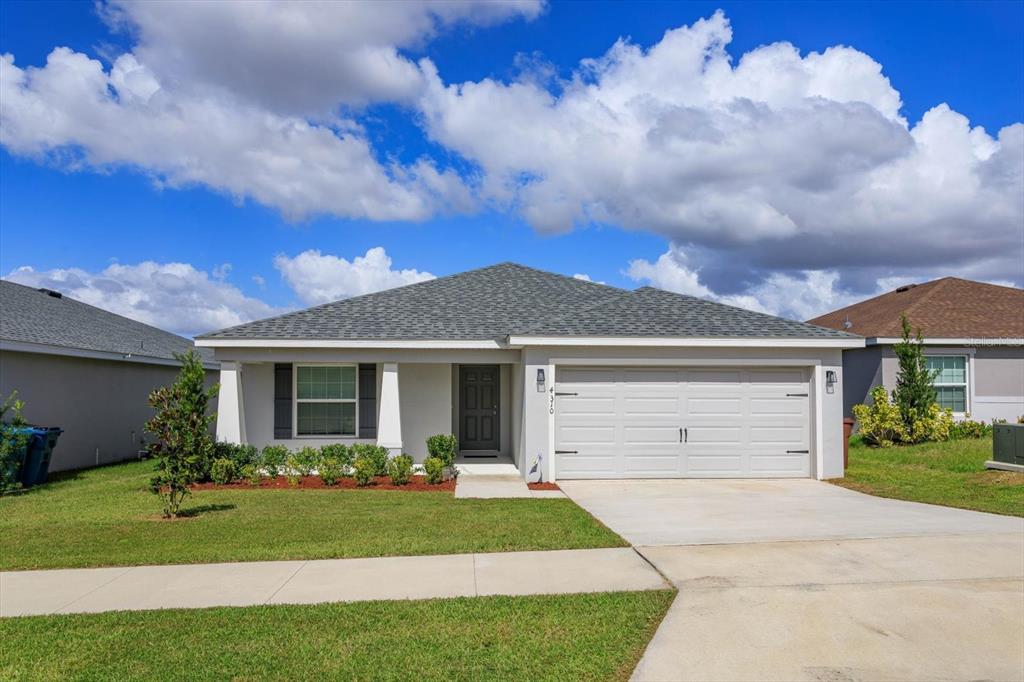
950	381
326	400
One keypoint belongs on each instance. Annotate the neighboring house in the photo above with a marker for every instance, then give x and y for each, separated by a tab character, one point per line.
973	338
85	370
578	379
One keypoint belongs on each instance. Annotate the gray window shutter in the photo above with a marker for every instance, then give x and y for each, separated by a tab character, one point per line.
282	400
368	401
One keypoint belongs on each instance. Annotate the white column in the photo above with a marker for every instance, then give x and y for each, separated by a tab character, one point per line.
230	411
389	418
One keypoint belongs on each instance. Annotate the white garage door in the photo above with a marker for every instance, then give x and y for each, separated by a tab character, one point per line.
656	422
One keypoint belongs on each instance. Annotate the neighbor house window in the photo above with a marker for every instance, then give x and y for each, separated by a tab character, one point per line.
325	400
950	381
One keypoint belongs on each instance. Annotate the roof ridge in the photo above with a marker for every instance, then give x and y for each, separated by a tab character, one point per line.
934	286
493	266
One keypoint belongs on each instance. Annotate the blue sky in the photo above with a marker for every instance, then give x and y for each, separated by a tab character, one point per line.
74	200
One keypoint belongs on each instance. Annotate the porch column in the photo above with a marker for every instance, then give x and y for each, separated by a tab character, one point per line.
230	411
389	420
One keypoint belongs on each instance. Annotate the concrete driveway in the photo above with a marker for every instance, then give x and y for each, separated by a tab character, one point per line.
802	580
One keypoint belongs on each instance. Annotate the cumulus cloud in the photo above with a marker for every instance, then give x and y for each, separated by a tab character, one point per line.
775	162
74	112
299	57
172	296
798	295
318	278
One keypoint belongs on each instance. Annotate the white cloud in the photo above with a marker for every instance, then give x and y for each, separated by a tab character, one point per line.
172	296
798	295
777	161
318	278
585	277
299	57
75	113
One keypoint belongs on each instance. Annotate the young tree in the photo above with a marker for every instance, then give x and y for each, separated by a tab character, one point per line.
13	441
914	393
183	442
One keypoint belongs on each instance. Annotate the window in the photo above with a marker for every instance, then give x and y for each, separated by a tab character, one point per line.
950	381
325	400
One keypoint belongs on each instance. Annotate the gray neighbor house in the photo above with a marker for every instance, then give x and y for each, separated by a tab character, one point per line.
973	341
85	370
545	373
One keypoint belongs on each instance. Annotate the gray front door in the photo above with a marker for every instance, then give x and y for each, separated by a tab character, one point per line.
478	407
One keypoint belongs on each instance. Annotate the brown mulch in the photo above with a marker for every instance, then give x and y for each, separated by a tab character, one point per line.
543	486
415	484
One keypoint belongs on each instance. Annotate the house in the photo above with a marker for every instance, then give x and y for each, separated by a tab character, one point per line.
973	340
575	378
85	370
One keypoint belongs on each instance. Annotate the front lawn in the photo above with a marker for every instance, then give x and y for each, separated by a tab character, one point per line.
564	637
107	517
952	473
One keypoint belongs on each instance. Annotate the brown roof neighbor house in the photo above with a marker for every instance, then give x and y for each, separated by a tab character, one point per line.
973	334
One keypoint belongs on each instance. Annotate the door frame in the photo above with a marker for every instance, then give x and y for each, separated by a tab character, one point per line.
497	407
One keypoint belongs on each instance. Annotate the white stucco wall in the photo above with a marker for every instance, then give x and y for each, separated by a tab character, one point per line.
425	398
826	408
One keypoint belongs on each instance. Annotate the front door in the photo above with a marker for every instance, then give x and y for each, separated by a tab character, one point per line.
478	407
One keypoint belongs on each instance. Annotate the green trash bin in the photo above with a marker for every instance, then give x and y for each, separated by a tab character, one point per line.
40	450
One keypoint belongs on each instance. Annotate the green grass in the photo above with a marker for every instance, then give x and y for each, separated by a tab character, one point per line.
951	474
564	637
107	517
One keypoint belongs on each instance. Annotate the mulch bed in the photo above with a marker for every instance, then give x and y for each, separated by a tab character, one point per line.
543	486
415	484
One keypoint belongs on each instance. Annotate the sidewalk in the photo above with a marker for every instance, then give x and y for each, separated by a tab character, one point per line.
90	590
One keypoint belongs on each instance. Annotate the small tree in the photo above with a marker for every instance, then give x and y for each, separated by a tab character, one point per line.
183	442
914	393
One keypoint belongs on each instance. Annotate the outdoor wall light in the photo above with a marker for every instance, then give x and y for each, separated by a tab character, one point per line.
830	381
540	376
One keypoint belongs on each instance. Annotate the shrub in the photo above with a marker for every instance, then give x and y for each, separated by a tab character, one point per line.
292	471
339	452
934	425
364	469
330	470
222	471
377	454
240	455
183	444
445	447
251	474
305	460
433	467
880	423
968	428
400	469
273	458
13	442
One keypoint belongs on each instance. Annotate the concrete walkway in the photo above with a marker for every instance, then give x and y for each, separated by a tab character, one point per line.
91	590
488	486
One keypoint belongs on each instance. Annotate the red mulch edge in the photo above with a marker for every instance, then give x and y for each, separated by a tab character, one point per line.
415	484
543	486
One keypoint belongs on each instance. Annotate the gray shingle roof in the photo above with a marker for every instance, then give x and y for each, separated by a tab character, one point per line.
29	315
653	312
479	304
504	299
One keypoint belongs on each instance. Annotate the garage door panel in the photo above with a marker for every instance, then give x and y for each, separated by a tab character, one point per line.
710	406
625	422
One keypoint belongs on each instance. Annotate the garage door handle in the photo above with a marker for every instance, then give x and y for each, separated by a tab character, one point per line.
796	395
567	452
684	435
798	452
566	393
